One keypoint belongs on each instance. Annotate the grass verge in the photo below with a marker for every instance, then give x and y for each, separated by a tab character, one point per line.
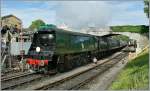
134	75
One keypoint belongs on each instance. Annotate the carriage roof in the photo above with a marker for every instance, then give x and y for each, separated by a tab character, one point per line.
58	30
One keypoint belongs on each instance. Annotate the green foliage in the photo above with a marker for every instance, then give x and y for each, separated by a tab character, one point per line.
130	28
134	75
36	24
121	37
146	8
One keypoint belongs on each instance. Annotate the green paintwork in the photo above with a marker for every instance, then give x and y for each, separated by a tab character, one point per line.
69	42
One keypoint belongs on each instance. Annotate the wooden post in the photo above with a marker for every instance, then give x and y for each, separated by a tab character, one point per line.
9	55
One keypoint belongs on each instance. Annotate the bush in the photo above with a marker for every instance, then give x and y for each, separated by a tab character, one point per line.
129	28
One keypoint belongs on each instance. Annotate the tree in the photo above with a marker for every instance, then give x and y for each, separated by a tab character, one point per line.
146	8
36	24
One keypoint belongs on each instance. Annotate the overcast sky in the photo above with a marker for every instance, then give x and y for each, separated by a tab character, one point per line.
77	13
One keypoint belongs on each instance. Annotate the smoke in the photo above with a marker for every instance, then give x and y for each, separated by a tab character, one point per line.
83	14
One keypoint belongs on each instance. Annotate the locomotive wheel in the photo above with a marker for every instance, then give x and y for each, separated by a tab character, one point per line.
88	59
74	63
68	65
83	61
45	71
60	67
79	62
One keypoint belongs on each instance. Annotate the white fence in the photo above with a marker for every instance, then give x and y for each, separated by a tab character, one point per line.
17	46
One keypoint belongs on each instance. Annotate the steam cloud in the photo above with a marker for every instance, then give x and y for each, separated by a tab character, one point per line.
83	14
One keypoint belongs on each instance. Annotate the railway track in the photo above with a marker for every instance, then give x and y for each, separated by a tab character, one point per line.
11	72
12	81
72	82
14	75
7	72
79	79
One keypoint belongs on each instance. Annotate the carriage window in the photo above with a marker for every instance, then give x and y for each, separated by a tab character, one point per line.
46	39
79	39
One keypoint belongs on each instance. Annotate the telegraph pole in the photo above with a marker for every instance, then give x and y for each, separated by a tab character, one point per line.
22	52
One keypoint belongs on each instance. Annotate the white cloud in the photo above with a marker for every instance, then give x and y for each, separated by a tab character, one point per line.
129	13
81	14
132	18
